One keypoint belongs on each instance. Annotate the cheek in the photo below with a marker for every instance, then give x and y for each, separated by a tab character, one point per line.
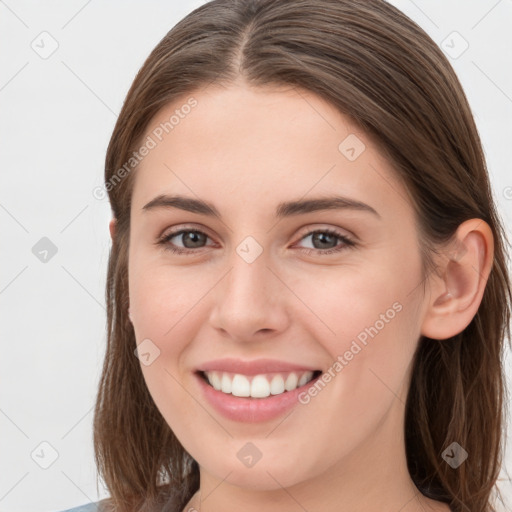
349	304
368	323
161	298
162	302
374	342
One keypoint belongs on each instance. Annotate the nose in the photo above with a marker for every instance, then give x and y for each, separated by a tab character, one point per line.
250	301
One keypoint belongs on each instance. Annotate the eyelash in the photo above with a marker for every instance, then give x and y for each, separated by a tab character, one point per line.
348	243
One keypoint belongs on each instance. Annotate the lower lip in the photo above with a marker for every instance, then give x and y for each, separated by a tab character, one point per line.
251	410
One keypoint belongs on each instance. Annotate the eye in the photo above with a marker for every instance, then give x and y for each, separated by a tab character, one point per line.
318	237
192	240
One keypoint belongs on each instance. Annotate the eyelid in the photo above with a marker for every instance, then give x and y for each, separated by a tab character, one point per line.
323	227
184	227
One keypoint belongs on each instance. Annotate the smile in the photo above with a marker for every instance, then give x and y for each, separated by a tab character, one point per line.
251	391
258	386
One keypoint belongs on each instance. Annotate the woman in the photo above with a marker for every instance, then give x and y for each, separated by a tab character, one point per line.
307	290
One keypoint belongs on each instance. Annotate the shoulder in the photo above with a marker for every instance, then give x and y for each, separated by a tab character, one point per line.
88	507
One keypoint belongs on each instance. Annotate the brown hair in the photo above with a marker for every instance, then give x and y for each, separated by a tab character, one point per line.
381	69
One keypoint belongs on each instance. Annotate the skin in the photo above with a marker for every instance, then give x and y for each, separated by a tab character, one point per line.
245	150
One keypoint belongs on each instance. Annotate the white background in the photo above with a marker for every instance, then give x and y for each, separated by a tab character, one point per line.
57	115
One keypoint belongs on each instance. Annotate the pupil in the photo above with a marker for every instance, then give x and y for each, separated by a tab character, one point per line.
193	235
322	237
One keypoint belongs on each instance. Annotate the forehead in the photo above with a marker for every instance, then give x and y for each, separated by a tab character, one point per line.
255	145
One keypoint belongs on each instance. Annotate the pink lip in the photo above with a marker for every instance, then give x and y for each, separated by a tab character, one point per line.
258	366
251	410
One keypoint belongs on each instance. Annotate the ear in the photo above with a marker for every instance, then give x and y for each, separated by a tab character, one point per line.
457	292
112	227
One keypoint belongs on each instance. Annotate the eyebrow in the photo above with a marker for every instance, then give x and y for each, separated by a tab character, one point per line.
285	209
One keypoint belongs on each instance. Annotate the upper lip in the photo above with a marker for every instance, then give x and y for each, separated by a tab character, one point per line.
254	367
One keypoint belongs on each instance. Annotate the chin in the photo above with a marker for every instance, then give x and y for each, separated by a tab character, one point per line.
262	476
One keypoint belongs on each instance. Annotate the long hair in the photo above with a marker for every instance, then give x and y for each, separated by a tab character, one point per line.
378	67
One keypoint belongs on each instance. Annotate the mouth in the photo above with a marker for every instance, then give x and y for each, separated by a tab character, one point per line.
257	386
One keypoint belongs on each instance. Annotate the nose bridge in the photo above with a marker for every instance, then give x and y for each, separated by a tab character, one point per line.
249	280
248	299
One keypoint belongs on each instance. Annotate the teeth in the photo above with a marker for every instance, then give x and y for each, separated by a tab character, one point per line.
215	381
303	380
225	383
291	382
258	386
277	385
240	386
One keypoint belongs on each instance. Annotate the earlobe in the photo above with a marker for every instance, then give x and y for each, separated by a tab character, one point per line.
112	227
457	293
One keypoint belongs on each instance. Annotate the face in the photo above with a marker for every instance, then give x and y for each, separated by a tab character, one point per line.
267	295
